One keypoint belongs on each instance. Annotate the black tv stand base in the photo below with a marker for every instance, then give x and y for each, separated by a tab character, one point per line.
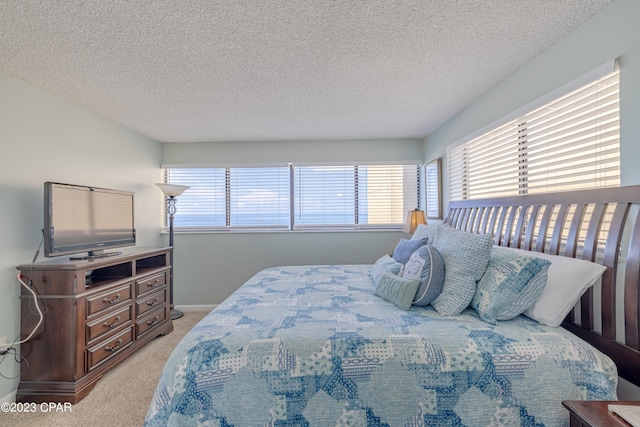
95	255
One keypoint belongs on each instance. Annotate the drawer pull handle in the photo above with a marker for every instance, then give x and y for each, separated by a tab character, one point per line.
115	322
115	347
154	283
155	301
106	300
153	322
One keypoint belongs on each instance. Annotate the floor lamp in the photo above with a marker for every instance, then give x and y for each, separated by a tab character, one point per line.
172	191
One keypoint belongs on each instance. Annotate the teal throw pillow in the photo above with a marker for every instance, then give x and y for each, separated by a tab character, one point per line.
511	284
397	290
385	264
425	264
466	256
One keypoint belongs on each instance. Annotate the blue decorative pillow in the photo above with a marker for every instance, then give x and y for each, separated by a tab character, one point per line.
397	290
405	248
385	264
466	256
511	284
425	264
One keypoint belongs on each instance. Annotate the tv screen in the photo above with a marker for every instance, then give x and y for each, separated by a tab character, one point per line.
86	219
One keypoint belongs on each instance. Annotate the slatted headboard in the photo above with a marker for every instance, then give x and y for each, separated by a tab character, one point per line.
597	225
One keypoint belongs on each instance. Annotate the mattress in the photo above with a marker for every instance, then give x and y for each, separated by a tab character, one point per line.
313	346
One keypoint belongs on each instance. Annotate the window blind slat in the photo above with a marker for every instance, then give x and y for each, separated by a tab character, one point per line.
603	94
585	125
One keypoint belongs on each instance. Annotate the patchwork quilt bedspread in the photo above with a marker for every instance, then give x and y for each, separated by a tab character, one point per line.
312	346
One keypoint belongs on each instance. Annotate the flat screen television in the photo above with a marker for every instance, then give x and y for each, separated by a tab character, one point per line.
79	218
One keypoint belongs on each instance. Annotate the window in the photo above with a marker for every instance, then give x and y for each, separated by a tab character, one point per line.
570	143
295	197
433	189
231	197
259	197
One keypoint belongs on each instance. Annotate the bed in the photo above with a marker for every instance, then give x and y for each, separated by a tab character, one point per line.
323	345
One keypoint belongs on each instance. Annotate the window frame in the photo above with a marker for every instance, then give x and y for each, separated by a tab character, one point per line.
433	184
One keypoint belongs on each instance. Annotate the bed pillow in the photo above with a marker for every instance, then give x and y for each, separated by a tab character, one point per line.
397	290
567	280
425	231
465	256
427	265
405	248
385	264
511	284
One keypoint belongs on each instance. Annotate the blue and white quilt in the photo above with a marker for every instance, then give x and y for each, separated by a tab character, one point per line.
313	346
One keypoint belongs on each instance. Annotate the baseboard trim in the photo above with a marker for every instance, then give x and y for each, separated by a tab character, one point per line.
208	307
9	398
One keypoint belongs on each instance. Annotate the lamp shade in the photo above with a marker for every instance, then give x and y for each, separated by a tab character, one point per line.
414	218
172	190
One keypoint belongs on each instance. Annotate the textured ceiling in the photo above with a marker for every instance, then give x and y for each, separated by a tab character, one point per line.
203	70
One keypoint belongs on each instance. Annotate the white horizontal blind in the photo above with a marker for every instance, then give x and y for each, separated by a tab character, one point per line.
362	196
204	204
568	144
232	197
575	142
325	196
432	187
259	197
486	166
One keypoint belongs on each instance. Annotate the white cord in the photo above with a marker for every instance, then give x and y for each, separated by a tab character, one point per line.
35	299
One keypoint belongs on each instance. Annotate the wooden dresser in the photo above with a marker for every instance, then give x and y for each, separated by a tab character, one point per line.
96	313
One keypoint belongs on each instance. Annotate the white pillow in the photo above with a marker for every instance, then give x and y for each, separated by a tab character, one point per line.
567	279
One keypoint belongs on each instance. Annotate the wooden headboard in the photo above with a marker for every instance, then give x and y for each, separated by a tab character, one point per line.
600	225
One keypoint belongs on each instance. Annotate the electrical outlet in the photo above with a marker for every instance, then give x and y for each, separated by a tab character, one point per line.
3	343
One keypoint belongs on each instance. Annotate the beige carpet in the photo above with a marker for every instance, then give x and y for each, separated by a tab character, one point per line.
109	404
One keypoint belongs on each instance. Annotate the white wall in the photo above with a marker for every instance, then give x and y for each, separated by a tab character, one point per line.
209	267
612	33
45	138
283	152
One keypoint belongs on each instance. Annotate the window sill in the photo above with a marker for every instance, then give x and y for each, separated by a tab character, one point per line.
283	231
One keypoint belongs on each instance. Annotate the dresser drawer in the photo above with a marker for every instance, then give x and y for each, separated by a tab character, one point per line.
108	348
150	283
154	300
110	323
106	300
150	320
